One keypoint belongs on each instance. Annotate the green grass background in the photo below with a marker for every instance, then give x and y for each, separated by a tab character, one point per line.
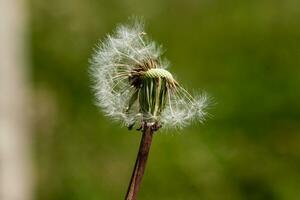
245	54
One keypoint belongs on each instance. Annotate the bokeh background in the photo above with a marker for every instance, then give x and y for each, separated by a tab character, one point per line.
245	54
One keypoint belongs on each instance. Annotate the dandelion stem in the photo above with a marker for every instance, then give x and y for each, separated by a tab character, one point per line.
140	163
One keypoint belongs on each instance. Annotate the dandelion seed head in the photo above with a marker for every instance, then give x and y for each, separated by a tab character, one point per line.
132	83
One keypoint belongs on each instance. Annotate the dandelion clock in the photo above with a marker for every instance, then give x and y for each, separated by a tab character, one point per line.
133	85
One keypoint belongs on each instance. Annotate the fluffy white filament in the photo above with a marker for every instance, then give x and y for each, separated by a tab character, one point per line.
112	63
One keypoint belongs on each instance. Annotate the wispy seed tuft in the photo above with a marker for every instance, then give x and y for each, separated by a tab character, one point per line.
132	84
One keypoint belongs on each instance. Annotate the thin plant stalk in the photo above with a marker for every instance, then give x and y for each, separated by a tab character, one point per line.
140	163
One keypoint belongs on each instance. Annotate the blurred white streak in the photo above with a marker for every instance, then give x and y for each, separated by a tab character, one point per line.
15	158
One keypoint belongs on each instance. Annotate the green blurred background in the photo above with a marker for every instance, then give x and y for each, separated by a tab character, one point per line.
245	54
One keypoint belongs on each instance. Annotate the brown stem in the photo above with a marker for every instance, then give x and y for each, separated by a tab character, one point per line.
140	163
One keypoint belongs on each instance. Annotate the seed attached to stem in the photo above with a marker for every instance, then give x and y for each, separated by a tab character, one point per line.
132	85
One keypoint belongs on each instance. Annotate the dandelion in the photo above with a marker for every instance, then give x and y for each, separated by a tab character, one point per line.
133	85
